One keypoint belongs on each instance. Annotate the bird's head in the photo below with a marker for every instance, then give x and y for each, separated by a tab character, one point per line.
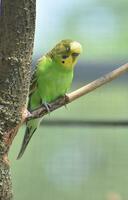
66	53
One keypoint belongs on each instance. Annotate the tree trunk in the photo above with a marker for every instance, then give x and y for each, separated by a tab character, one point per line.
17	26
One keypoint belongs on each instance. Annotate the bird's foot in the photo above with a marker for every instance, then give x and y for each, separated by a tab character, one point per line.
47	106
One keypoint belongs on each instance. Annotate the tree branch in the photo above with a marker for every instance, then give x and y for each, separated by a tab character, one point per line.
40	112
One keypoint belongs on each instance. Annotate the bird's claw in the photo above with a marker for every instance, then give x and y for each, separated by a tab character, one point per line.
47	106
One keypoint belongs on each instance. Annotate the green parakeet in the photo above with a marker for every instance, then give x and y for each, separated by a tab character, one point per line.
51	79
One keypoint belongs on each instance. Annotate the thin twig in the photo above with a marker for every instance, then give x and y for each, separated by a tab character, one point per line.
40	112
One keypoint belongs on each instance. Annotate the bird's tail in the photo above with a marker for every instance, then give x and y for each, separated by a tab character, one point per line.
30	129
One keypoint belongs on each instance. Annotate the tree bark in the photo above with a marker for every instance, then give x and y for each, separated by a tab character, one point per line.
17	26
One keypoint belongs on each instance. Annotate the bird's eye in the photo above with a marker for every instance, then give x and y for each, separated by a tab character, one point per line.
67	49
75	54
64	56
63	62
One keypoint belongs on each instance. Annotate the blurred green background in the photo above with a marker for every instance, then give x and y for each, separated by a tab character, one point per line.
65	162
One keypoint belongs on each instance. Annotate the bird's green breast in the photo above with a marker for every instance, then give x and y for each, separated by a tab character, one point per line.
53	81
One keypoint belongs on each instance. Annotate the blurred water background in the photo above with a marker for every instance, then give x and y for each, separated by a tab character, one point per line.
68	161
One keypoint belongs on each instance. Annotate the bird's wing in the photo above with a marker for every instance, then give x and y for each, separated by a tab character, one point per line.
33	84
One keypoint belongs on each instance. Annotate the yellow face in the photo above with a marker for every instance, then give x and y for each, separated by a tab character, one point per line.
66	53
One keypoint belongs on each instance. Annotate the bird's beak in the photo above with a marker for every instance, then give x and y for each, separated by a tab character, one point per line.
76	48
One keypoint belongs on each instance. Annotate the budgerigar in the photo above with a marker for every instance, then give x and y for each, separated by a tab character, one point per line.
51	79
